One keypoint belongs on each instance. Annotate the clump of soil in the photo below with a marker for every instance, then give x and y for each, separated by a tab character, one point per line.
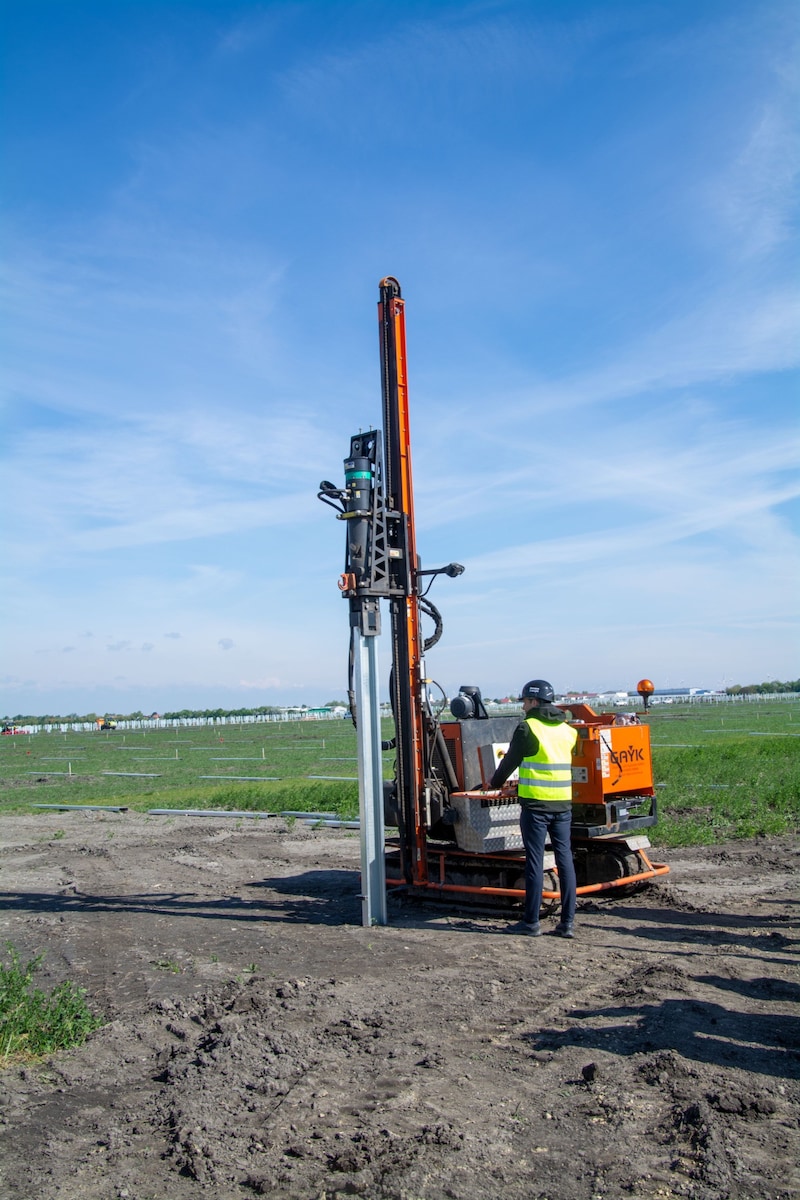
260	1042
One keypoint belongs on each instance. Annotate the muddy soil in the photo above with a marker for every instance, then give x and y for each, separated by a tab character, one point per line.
261	1042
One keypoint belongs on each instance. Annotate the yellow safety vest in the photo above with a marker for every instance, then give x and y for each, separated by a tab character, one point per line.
548	774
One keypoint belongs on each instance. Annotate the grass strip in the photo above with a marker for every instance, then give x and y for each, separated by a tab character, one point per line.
33	1024
718	782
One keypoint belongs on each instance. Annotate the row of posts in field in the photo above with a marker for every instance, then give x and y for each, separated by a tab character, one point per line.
599	703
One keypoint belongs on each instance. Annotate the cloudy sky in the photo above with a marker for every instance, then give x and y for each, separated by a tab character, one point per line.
591	208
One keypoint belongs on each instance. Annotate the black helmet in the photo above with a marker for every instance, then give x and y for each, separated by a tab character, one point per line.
538	689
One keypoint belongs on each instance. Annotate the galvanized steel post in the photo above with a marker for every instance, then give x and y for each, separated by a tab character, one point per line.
370	783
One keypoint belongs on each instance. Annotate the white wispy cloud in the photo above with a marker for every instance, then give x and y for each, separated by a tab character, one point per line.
133	482
122	319
757	198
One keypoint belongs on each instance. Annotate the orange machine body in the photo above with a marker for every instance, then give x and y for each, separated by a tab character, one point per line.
611	760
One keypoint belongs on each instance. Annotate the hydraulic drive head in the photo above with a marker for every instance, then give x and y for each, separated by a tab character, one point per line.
359	475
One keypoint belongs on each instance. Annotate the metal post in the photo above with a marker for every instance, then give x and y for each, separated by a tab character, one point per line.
370	783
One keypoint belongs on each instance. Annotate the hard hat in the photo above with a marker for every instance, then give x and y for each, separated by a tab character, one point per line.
538	689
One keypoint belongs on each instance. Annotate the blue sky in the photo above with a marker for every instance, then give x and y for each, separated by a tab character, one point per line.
591	208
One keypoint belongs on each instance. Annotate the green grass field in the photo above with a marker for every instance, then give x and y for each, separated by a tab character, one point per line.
304	765
721	771
727	771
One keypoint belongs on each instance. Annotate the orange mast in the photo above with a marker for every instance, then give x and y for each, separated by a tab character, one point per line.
406	681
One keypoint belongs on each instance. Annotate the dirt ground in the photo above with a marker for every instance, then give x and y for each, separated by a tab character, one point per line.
261	1042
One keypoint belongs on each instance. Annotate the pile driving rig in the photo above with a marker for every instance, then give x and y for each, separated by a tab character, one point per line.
455	838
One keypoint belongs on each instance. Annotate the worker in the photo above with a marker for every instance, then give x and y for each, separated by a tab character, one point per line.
541	746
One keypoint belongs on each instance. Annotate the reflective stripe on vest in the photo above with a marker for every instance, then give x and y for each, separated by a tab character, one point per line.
548	774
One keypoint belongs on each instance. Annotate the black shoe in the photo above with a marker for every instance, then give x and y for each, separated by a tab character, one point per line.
526	929
564	931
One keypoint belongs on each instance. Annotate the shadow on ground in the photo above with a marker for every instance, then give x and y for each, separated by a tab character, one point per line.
313	897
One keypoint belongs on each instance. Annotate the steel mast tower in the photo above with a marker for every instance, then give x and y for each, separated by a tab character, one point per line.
377	505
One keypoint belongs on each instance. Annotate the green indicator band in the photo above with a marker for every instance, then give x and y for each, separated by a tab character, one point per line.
359	475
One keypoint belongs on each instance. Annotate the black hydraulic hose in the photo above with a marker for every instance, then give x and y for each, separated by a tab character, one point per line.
351	696
430	609
392	742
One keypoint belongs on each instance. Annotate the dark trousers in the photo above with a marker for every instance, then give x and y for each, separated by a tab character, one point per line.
535	827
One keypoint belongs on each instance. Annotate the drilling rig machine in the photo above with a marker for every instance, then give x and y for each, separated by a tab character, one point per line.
455	839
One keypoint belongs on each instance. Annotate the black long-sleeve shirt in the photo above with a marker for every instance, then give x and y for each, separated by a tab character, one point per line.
524	744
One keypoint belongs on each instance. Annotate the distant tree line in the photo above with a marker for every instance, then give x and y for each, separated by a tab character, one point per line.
762	689
209	713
